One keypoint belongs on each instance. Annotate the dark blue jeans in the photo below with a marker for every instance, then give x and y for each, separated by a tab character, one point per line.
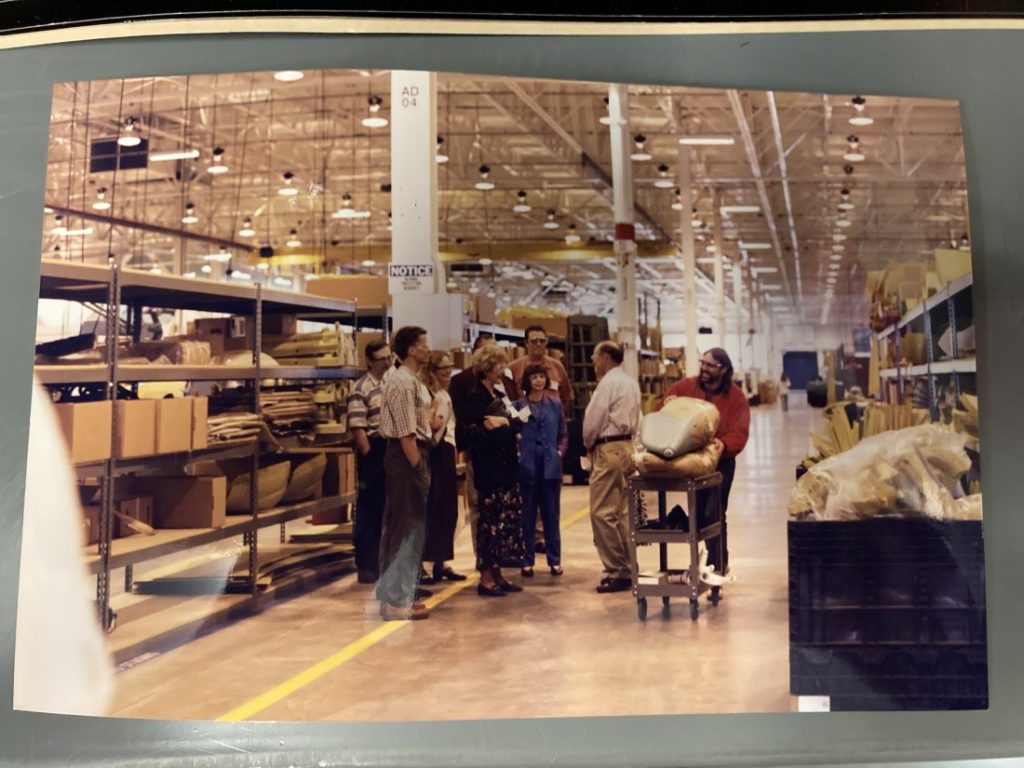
547	495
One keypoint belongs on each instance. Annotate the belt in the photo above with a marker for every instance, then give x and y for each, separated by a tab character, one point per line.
419	442
611	439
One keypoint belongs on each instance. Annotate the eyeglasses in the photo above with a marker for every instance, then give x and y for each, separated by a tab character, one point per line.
712	366
387	359
444	367
536	341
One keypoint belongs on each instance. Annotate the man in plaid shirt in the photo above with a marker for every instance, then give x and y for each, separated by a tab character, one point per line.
363	411
404	423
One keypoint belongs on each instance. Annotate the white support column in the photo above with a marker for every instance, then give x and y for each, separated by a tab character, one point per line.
414	239
719	271
756	342
689	262
737	297
625	233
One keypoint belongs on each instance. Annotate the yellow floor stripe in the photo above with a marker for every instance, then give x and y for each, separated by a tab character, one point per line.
350	651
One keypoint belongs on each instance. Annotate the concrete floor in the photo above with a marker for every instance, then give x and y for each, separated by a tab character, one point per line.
557	649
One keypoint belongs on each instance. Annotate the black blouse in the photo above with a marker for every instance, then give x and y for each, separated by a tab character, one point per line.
494	452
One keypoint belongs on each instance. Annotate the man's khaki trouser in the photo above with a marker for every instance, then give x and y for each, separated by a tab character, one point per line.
609	505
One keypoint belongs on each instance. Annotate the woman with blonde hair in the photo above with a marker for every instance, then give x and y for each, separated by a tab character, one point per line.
491	430
443	497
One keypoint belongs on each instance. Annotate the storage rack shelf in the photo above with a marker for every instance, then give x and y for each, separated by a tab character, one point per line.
948	306
138	548
115	289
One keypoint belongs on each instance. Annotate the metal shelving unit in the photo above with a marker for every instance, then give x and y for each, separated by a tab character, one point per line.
942	307
115	288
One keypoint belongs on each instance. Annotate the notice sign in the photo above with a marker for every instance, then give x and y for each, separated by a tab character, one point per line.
410	278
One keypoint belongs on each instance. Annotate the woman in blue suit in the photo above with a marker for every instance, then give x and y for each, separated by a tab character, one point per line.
545	439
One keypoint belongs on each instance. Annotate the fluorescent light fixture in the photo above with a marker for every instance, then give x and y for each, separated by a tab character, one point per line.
571	239
707	141
754	246
241	275
550	225
836	257
441	158
640	157
219	256
844	223
180	154
838	237
485	262
727	209
206	269
664	183
374	122
846	206
284	282
839	248
189	274
217	169
130	140
696	223
521	208
101	205
47	209
263	266
484	186
190	219
369	263
766	270
156	271
287	191
293	239
853	157
348	213
246	230
289	75
938	217
706	260
65	232
677	206
312	276
772	287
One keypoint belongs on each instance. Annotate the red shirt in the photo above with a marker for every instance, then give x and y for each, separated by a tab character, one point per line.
733	411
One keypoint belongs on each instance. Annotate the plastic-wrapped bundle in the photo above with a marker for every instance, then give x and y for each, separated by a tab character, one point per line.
683	425
695	464
912	472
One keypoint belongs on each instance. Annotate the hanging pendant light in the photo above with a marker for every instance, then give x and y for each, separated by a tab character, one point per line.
521	206
190	214
374	120
101	203
853	154
845	205
218	166
664	182
640	155
441	157
551	223
572	238
293	239
129	136
246	230
288	190
860	118
288	75
484	185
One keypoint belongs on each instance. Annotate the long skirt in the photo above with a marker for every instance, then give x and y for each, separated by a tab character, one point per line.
442	505
499	535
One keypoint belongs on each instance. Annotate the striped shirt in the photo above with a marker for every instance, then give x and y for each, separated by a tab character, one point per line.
614	408
363	405
405	400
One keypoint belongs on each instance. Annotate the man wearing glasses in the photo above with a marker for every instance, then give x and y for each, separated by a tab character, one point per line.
715	385
363	409
537	354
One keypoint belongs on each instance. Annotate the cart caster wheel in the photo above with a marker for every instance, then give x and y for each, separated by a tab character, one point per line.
666	611
694	608
641	608
715	595
111	621
665	601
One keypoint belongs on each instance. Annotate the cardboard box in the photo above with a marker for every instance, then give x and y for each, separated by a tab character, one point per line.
279	325
224	334
200	423
173	424
137	508
362	339
461	359
340	475
185	501
365	290
86	428
484	309
91	523
553	326
136	428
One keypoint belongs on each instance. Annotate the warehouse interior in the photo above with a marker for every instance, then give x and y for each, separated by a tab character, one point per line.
824	236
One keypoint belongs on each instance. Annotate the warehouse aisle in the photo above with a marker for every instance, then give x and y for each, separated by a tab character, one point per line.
557	649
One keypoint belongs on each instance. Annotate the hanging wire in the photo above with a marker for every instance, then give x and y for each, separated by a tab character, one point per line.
145	187
71	164
117	164
209	195
85	173
241	165
322	140
186	176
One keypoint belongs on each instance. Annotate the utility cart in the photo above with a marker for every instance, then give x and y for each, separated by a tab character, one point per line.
671	583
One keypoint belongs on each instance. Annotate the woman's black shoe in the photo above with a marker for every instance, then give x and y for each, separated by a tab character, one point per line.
425	578
494	591
447	573
527	572
508	586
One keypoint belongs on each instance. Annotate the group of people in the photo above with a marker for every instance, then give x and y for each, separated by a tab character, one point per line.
410	421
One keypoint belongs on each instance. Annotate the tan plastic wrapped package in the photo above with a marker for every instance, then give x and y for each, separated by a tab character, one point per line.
683	426
912	472
696	464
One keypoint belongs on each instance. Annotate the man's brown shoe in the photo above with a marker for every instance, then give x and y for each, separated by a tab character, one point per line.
412	612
